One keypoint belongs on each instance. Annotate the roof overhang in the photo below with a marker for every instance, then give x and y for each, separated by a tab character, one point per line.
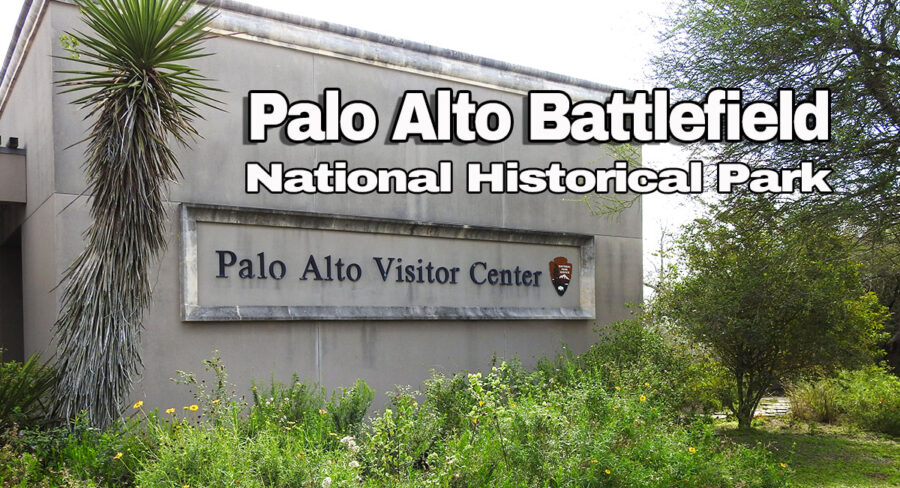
241	20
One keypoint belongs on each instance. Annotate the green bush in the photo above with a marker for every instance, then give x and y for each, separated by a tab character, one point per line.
870	399
349	407
559	425
634	355
24	388
25	470
77	451
297	401
401	438
814	401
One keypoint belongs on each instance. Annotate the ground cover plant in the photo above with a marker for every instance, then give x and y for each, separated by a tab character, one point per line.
565	423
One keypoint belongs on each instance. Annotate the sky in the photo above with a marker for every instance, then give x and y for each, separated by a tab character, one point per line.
609	42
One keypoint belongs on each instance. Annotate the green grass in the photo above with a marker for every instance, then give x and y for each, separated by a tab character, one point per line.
820	455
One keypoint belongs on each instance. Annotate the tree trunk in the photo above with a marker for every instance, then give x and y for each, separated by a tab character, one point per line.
745	414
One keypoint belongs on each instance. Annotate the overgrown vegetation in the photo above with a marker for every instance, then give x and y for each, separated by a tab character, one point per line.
24	391
610	417
770	300
868	398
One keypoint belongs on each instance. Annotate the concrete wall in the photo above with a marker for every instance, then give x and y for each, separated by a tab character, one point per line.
335	353
28	115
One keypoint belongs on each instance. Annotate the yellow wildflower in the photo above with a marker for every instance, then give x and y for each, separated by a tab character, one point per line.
480	403
594	461
137	404
618	388
215	401
607	471
118	455
647	384
299	454
643	398
475	420
692	450
615	407
782	465
193	408
254	388
322	411
170	411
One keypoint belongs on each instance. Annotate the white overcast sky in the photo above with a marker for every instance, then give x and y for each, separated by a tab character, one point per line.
609	42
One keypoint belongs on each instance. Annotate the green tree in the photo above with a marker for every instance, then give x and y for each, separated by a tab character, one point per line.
139	96
851	47
848	46
770	302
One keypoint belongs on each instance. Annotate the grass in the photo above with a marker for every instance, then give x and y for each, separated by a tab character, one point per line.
820	455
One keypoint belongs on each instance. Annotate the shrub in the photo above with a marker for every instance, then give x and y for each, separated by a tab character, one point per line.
450	399
814	401
402	437
505	427
349	407
77	453
631	354
24	388
870	399
297	401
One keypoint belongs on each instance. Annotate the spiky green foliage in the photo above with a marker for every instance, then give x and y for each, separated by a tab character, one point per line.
139	96
24	388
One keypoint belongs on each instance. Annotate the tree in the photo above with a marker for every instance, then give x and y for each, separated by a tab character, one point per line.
139	95
770	302
851	47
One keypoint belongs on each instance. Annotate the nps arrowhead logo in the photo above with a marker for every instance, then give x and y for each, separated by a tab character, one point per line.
560	274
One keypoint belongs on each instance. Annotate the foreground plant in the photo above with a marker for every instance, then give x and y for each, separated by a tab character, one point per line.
139	98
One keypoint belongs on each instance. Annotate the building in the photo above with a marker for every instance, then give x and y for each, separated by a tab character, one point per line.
475	279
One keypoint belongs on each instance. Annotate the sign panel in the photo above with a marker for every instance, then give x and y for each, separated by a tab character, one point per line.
251	264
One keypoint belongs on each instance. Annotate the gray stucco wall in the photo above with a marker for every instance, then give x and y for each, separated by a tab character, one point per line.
28	114
384	353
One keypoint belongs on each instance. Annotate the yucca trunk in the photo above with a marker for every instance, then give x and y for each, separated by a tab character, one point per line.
140	101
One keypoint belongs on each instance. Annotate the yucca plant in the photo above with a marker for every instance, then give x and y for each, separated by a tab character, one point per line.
139	98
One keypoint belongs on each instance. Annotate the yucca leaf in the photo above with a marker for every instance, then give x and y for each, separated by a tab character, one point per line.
138	97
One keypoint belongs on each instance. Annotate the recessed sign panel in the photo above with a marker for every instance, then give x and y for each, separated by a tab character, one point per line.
245	264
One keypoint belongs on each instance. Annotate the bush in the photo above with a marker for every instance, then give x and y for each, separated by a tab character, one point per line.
350	406
559	425
868	398
296	402
637	354
24	388
814	401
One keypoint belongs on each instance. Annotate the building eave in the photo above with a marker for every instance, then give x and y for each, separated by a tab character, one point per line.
250	22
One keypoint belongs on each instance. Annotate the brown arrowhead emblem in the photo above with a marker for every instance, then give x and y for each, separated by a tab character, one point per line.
560	274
